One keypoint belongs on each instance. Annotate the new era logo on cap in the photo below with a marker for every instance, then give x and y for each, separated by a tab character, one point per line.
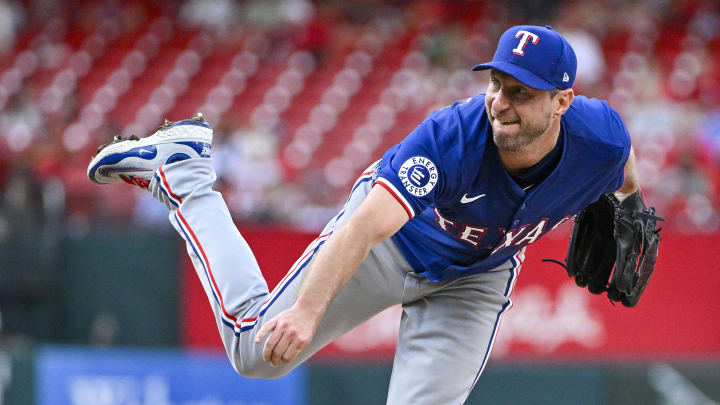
539	57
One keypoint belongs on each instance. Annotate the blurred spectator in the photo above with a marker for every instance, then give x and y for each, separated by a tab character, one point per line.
533	11
247	163
22	200
218	16
587	49
275	13
11	18
441	44
689	196
20	120
315	36
709	135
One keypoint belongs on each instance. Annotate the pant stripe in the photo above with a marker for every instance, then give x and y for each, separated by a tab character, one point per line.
517	261
207	276
177	199
164	191
190	237
226	318
192	240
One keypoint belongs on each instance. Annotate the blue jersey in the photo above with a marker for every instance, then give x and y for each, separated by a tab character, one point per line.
467	215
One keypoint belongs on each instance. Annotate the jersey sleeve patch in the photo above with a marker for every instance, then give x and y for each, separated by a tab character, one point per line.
418	175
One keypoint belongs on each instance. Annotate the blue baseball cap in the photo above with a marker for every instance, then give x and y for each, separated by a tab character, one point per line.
538	57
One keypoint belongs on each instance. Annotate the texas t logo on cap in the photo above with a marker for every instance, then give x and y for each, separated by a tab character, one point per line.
524	39
538	57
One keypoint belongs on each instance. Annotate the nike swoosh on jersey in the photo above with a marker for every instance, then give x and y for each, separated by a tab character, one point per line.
465	199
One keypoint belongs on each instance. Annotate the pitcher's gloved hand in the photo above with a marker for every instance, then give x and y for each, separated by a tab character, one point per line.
609	234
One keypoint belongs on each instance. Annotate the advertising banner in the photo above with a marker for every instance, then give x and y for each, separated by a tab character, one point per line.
75	376
550	316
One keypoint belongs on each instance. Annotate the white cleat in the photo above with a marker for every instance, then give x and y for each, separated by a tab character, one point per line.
134	160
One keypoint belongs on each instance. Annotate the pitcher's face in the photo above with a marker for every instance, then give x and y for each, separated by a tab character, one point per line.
518	114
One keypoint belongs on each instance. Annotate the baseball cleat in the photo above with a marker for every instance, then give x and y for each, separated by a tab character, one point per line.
134	160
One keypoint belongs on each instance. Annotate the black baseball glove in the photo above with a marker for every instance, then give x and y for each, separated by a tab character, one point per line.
607	234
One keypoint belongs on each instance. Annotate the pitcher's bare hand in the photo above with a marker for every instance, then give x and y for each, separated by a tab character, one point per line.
289	332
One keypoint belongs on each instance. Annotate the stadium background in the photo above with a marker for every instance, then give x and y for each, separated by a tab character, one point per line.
98	304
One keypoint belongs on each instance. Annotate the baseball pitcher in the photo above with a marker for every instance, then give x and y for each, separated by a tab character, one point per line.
439	224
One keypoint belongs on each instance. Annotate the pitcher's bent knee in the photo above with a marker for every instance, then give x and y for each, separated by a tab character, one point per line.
257	368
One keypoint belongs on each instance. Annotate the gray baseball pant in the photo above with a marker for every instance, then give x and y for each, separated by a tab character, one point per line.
446	330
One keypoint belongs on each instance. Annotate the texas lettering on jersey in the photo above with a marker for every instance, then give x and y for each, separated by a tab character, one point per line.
518	237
